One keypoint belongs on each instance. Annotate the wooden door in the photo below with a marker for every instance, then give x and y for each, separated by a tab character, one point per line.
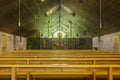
4	43
116	46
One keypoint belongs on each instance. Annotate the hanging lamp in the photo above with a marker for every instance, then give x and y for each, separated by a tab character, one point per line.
19	20
101	15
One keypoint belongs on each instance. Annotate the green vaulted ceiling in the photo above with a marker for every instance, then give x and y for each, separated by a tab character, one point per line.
73	17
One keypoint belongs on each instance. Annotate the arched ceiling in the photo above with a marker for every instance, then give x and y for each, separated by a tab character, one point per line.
83	15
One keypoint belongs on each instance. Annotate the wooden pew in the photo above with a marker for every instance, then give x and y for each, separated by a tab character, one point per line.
66	62
61	69
61	51
62	55
82	61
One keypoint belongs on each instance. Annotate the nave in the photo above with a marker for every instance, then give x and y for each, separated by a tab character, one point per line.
59	39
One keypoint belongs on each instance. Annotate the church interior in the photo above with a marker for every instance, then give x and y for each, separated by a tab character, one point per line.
59	40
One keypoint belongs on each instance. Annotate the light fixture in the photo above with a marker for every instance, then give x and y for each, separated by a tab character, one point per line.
68	10
51	10
101	15
42	0
19	21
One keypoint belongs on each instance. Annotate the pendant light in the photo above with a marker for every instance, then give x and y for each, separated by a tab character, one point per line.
101	15
19	20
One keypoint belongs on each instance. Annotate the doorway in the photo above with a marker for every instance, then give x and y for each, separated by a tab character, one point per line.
116	40
4	43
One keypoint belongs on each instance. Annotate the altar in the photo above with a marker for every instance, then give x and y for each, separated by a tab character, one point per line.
59	46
